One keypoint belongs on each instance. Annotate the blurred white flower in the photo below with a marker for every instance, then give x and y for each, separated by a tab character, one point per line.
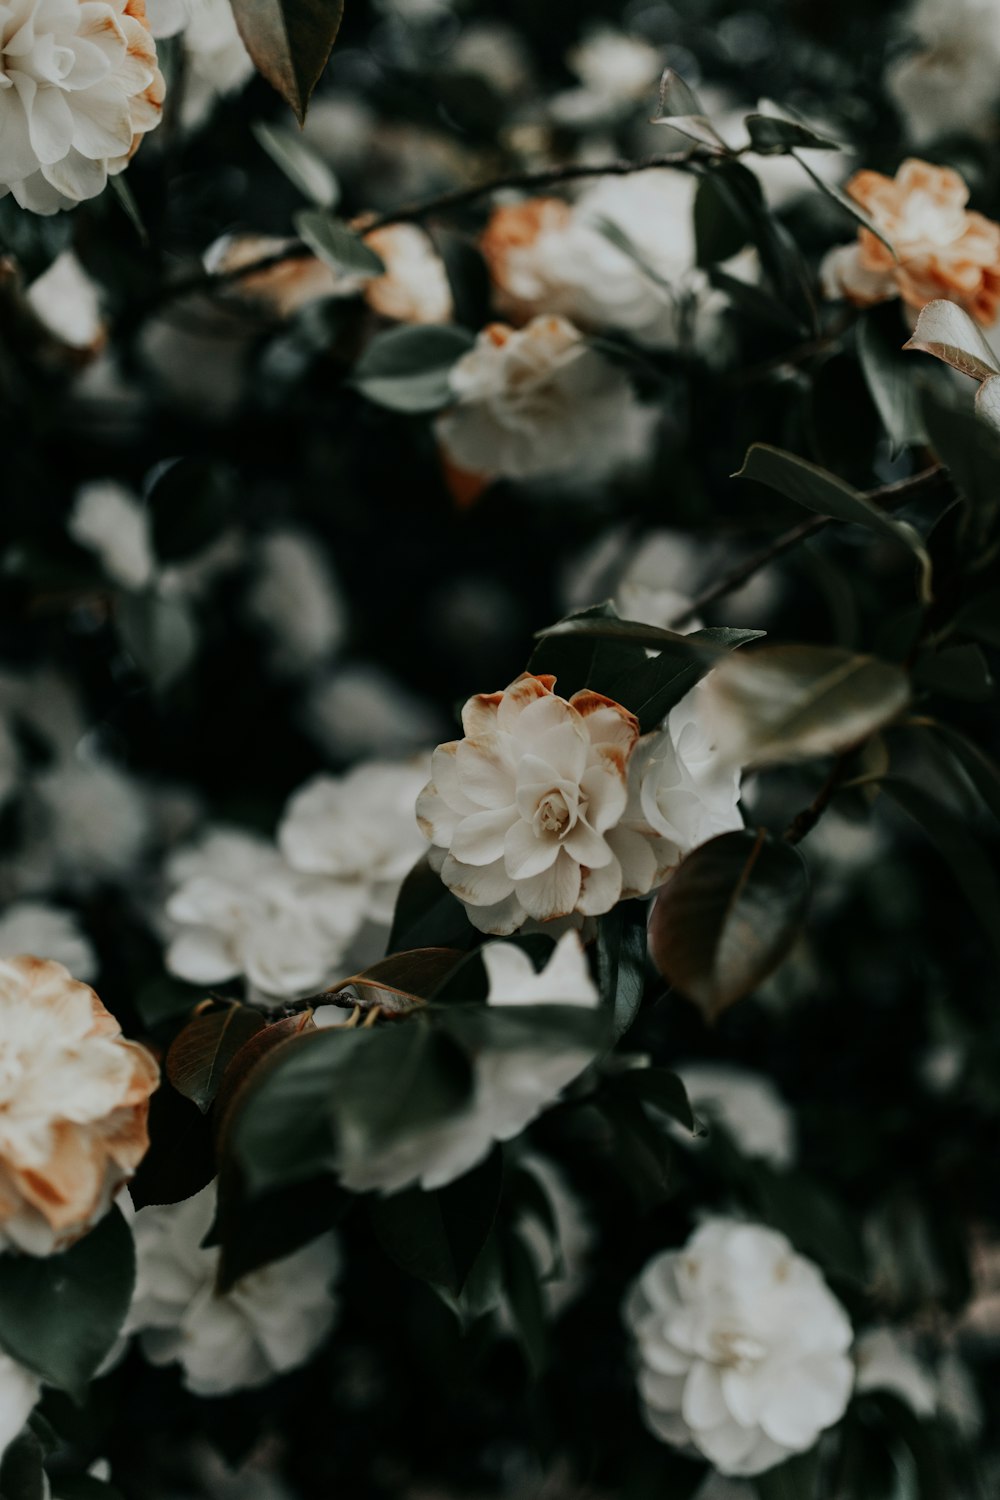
81	86
415	287
295	596
617	72
271	1321
511	1086
109	520
215	59
19	1390
522	812
66	300
86	821
950	81
548	256
239	909
495	52
743	1349
74	1101
360	827
360	710
746	1105
886	1360
286	286
536	401
47	932
681	790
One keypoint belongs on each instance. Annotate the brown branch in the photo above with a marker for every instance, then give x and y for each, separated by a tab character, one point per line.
805	821
888	496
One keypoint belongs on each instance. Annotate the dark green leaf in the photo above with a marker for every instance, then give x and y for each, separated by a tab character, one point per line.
971	451
958	672
796	1479
525	1299
728	916
980	617
159	634
129	207
254	1232
409	369
439	1236
400	982
981	769
752	301
644	1155
303	166
721	228
771	135
845	201
826	495
621	962
427	914
337	246
190	501
22	1476
201	1053
659	1088
60	1314
289	42
889	379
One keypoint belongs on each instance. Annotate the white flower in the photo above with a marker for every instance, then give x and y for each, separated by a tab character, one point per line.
48	932
66	300
886	1361
87	822
79	86
215	59
546	256
950	82
360	710
535	401
746	1105
272	1320
742	1347
522	813
74	1100
415	286
19	1390
295	596
683	790
511	1086
239	909
360	827
110	521
616	71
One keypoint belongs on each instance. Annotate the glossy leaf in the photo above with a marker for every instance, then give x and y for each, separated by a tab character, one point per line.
621	961
945	330
890	383
289	42
782	704
775	135
60	1314
303	166
200	1054
408	369
400	982
439	1236
728	916
337	246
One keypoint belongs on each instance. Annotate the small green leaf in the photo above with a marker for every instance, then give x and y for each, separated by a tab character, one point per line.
200	1054
439	1236
409	369
728	916
621	961
60	1314
303	166
823	493
158	633
981	769
336	245
773	135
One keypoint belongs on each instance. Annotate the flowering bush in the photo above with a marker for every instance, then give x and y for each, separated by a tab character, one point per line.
501	582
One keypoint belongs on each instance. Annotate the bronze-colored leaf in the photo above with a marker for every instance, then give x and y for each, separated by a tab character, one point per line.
289	42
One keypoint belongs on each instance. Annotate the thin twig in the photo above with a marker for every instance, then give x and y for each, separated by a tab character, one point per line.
888	496
805	821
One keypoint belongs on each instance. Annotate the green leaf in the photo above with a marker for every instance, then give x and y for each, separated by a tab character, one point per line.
971	866
159	634
22	1475
981	769
753	302
644	1154
781	704
289	42
439	1236
60	1314
337	246
945	330
728	916
657	1087
303	166
621	961
958	672
970	449
773	135
190	501
796	1479
129	207
409	369
201	1053
721	228
427	914
740	192
400	982
525	1299
890	384
845	201
823	493
254	1232
676	97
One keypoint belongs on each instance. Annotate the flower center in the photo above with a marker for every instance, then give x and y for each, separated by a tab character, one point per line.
737	1350
552	814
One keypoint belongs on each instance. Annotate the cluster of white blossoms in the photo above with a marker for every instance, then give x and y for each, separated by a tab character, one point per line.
74	1101
743	1350
617	74
553	807
949	78
511	1085
270	1321
549	256
79	87
537	401
289	918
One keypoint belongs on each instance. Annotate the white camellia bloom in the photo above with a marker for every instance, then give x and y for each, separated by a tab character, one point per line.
546	255
950	81
48	932
68	302
511	1086
415	286
742	1347
272	1320
536	401
79	86
74	1101
109	520
359	827
746	1105
296	598
239	909
617	72
19	1390
216	62
522	812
